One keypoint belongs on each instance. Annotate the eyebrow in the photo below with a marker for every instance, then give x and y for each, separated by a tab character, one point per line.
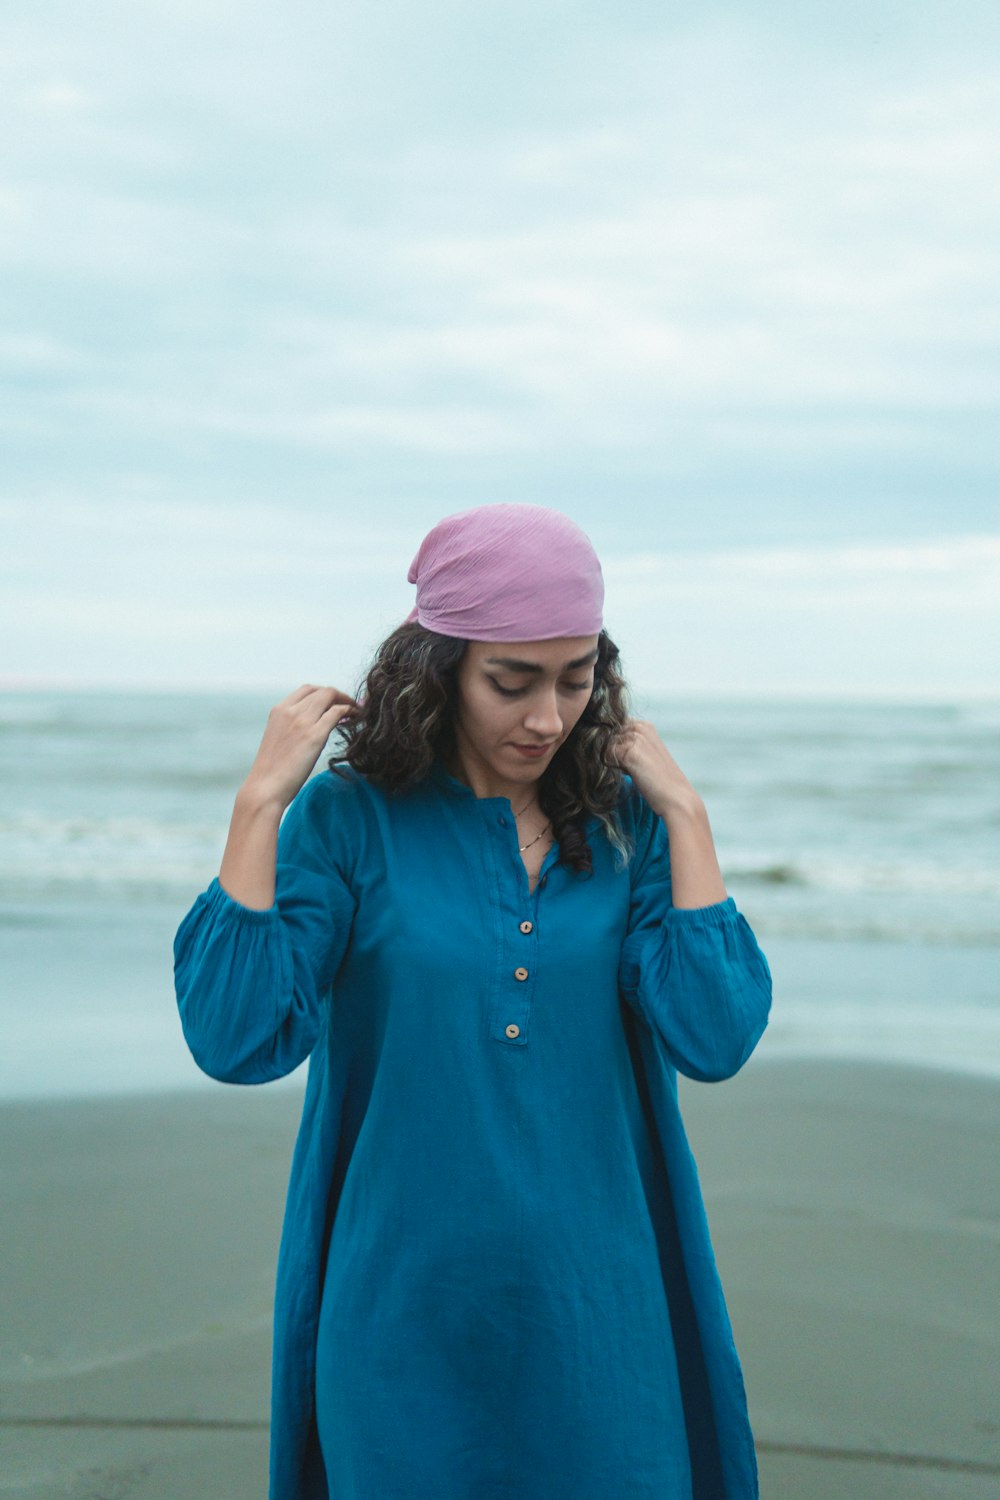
515	665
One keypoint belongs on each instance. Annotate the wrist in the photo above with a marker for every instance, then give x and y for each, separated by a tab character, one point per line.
255	799
680	804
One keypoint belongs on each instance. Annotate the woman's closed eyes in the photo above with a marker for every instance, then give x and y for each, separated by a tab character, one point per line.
574	687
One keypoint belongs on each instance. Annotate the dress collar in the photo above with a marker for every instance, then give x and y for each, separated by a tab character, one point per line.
443	778
440	776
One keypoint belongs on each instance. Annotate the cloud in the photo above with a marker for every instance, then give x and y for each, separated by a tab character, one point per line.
713	280
959	574
158	593
55	97
911	620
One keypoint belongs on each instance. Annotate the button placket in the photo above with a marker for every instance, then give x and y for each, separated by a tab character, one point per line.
516	1002
517	968
514	1005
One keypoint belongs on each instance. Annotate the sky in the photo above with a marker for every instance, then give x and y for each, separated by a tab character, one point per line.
281	286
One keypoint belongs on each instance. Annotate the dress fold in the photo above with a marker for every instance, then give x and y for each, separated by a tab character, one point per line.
496	1279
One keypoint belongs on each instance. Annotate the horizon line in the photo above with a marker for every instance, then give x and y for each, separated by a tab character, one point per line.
832	694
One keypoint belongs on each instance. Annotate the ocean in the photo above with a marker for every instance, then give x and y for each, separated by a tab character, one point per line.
859	840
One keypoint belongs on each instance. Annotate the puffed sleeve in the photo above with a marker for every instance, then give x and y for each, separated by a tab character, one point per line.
695	974
251	984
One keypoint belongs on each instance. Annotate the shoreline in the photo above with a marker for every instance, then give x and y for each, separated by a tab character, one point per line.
854	1209
806	1053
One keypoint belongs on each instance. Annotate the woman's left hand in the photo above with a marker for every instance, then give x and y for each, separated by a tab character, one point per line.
640	751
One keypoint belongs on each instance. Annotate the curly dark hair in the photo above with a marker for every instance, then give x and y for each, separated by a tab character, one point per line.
405	718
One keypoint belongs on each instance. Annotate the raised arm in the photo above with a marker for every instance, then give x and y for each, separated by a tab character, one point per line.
297	729
694	971
256	954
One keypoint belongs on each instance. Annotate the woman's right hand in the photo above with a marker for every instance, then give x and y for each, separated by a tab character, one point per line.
297	730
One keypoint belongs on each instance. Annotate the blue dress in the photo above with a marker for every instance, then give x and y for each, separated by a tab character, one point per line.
496	1280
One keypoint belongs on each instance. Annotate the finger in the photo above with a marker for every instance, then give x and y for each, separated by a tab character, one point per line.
339	711
331	697
300	693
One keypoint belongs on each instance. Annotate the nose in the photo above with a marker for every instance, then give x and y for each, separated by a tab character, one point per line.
543	718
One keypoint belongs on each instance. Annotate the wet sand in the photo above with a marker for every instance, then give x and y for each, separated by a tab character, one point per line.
854	1209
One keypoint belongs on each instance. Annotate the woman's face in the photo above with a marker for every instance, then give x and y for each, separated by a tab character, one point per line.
514	693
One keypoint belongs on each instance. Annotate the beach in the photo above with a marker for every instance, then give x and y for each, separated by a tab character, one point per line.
855	1214
851	1170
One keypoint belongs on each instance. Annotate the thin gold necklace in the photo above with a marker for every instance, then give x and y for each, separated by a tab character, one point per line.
521	847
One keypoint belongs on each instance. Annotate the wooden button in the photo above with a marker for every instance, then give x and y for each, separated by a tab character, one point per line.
526	926
513	1030
520	973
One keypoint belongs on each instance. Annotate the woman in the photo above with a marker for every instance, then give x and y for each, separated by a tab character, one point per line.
497	927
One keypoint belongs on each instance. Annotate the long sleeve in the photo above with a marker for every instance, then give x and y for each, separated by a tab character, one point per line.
251	985
695	974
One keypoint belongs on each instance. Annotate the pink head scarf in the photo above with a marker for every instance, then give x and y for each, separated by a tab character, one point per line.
508	572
